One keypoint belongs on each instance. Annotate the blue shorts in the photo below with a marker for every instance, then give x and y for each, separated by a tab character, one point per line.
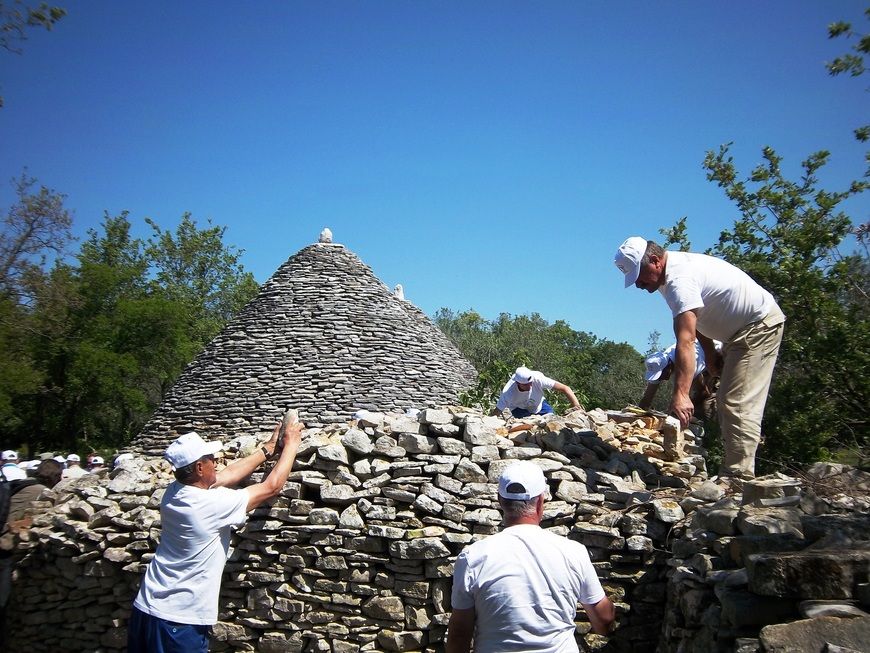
148	634
522	412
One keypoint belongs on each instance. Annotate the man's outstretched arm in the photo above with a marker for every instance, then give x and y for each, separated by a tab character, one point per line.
568	392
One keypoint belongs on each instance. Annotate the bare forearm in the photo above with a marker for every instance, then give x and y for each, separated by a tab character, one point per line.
233	474
278	476
684	369
568	392
648	395
573	399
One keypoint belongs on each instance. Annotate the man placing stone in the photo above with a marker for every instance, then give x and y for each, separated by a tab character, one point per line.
178	600
709	299
518	590
523	395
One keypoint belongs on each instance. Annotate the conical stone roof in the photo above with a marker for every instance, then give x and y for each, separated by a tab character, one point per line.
323	335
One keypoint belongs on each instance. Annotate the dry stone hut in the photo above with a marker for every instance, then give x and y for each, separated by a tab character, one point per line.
324	335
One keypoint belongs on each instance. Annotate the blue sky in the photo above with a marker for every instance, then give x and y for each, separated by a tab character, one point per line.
486	155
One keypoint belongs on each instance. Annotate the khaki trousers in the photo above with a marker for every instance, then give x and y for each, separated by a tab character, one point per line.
749	358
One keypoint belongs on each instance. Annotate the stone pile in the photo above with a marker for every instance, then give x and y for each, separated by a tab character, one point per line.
357	552
783	567
324	335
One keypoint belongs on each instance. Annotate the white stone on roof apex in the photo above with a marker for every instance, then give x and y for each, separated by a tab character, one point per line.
399	292
325	235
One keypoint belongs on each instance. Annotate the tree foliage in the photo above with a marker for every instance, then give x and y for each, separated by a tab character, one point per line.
851	62
93	343
601	373
35	227
790	238
15	19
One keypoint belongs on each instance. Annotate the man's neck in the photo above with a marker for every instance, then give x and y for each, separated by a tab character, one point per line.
531	520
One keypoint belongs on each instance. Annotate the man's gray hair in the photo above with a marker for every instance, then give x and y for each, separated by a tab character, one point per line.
515	509
184	474
652	249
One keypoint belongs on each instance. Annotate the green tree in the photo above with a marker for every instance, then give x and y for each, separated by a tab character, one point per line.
601	373
851	62
196	268
102	337
789	238
35	229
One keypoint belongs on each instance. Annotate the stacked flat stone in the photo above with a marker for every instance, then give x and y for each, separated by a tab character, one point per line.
357	552
323	335
779	567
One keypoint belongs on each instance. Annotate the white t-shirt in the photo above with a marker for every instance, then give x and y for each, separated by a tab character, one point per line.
524	585
13	472
727	298
183	581
671	354
532	400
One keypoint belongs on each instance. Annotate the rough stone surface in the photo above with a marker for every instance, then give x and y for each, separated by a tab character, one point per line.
324	335
358	555
817	635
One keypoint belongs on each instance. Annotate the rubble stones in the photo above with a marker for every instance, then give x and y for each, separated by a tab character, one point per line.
821	634
357	553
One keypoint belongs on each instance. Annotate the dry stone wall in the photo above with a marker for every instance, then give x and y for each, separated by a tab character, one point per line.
357	552
783	566
324	335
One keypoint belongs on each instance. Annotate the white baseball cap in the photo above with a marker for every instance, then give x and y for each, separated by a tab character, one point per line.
522	375
73	458
10	455
628	258
521	481
60	459
189	448
97	460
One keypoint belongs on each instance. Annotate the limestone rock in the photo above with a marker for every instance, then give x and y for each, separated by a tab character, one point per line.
811	635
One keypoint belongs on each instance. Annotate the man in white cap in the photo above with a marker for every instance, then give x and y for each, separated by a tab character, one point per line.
178	600
710	298
523	395
660	366
10	470
96	463
518	590
74	467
